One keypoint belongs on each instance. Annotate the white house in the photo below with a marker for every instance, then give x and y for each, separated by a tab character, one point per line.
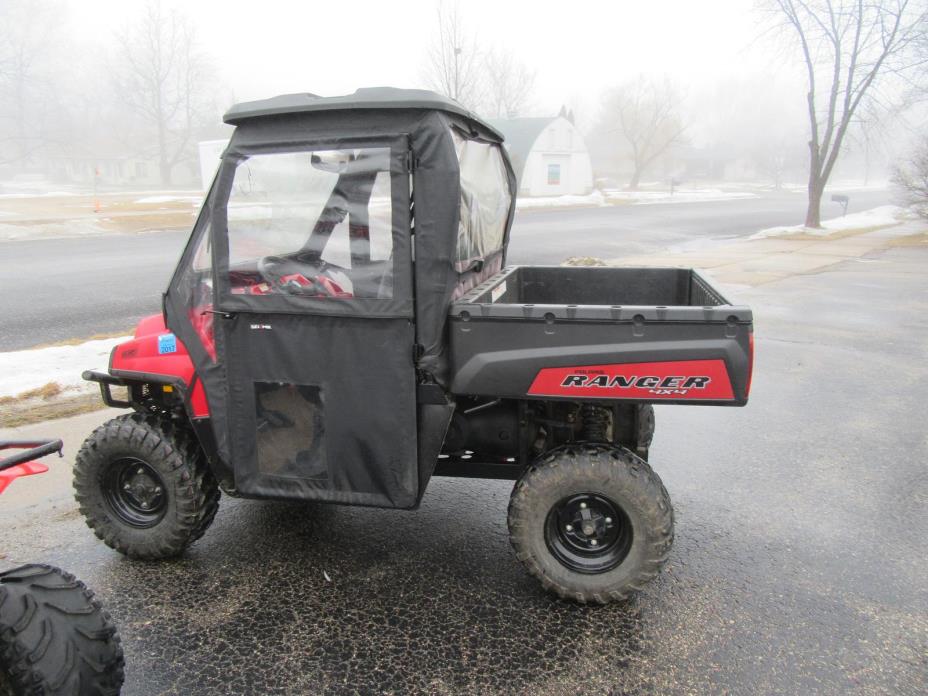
548	155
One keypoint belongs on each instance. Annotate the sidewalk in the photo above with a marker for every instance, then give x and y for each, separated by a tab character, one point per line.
758	261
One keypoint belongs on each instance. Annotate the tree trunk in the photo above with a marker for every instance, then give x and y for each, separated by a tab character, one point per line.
164	166
814	211
634	181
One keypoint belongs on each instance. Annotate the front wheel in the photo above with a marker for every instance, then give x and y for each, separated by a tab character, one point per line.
592	522
144	487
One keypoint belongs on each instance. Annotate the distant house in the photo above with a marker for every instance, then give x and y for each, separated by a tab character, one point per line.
548	154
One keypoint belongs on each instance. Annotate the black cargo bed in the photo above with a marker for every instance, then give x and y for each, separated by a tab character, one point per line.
605	293
592	285
526	319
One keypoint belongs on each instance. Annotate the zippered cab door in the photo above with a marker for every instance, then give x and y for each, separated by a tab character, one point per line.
313	273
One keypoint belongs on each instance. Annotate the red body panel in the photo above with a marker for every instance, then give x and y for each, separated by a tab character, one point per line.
7	476
699	380
144	354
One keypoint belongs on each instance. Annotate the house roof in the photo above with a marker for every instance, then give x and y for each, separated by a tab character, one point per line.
364	98
520	136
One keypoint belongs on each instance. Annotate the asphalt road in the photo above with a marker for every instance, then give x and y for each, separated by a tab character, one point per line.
56	289
799	564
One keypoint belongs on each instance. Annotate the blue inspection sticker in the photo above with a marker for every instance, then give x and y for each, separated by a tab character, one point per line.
167	343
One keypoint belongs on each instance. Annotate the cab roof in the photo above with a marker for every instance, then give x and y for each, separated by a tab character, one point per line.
364	98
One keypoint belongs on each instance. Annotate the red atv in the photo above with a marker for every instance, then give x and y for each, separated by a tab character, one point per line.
55	638
342	326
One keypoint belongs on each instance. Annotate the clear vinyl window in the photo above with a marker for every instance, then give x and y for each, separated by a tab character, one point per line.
197	288
312	223
485	198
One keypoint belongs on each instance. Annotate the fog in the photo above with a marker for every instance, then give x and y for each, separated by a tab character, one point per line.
75	110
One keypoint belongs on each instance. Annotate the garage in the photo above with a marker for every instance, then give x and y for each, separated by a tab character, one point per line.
549	156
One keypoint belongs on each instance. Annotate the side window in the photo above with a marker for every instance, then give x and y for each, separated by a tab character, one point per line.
197	288
312	223
485	198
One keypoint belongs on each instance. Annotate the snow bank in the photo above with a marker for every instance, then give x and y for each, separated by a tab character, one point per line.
883	216
22	370
615	196
679	196
592	199
46	194
70	228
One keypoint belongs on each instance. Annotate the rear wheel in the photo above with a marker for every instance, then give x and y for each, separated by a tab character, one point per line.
55	638
592	522
144	487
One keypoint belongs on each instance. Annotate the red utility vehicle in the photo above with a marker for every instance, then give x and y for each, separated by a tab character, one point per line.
342	326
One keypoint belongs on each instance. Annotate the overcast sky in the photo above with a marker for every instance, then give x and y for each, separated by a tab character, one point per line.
577	48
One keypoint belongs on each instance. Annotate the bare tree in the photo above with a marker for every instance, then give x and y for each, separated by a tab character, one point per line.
162	77
28	40
510	84
912	178
453	62
846	46
646	114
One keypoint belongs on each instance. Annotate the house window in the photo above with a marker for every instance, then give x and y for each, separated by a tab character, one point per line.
554	175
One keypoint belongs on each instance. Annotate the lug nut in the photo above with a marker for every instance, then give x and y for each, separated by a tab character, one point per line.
140	471
608	520
593	542
569	528
583	506
158	490
127	487
144	506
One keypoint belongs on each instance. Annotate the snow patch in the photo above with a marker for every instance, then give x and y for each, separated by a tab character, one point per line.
678	196
196	200
22	370
47	194
566	201
69	228
882	216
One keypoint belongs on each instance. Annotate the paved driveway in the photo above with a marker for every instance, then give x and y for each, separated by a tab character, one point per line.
799	565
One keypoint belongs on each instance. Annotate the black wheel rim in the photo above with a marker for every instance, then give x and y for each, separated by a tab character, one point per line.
135	492
588	533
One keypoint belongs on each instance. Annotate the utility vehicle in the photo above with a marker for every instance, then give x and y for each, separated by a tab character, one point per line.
55	638
342	326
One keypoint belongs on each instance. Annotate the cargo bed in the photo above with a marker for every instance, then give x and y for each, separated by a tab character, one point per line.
642	334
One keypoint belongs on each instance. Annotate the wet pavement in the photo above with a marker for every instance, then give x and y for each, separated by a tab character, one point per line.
799	566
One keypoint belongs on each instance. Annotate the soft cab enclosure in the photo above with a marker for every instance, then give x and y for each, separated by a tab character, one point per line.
313	294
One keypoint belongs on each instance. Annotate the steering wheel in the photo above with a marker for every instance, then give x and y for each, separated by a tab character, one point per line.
282	272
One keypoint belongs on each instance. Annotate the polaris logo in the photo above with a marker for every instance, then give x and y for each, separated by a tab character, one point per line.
655	385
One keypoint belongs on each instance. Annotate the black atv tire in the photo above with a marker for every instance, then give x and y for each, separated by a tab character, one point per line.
144	487
646	424
55	638
592	522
